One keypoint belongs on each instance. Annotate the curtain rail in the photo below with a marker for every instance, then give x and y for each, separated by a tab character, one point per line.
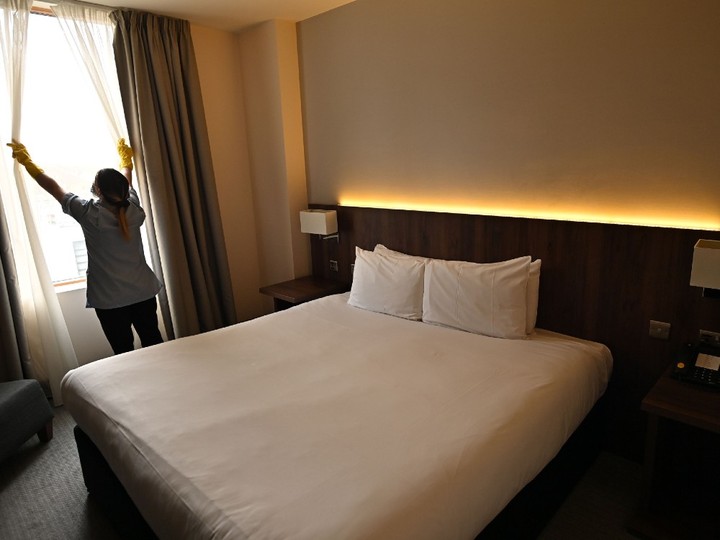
42	6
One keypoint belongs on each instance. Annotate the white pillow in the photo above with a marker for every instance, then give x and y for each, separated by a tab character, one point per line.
533	285
390	285
533	295
382	250
489	299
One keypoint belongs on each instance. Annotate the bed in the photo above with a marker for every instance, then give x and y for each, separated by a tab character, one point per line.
329	421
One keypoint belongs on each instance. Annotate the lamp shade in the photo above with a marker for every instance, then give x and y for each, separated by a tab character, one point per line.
318	221
706	264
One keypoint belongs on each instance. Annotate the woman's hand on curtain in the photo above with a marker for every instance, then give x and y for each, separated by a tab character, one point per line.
126	154
22	156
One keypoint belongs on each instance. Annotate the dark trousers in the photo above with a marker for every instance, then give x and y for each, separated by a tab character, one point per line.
117	324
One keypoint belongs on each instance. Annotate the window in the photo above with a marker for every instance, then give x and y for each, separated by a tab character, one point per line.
66	133
81	257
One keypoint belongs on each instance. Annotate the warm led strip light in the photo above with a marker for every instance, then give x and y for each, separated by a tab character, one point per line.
615	219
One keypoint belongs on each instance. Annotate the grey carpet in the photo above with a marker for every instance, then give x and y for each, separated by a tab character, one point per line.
42	496
601	504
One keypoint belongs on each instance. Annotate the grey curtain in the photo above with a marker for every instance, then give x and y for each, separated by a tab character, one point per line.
14	350
166	122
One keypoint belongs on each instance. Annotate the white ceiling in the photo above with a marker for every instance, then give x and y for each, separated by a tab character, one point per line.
230	15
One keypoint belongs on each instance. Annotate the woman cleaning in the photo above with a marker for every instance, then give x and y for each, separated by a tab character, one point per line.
121	287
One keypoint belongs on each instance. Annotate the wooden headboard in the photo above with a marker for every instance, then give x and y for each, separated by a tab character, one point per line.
599	281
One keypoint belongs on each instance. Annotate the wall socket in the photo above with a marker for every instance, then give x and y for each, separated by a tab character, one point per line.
659	330
333	266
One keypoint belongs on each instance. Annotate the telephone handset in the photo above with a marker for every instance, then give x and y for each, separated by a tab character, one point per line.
699	364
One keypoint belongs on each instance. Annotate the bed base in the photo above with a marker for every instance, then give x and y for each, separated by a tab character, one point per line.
107	491
523	518
526	515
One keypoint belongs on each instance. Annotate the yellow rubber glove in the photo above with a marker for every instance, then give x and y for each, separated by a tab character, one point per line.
20	153
125	153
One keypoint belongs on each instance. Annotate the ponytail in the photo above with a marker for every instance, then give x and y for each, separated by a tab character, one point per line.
122	219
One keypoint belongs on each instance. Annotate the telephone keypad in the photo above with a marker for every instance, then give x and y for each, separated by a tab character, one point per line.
707	377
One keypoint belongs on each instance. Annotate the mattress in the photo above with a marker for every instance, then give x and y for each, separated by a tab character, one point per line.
325	421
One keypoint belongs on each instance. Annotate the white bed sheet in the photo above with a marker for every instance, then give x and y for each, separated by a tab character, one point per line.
329	422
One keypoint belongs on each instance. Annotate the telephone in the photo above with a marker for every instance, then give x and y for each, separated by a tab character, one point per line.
699	364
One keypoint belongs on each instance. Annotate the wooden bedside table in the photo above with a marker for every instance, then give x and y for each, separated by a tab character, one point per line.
296	291
683	418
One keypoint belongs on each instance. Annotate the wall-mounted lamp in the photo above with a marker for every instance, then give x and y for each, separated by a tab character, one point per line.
322	222
706	267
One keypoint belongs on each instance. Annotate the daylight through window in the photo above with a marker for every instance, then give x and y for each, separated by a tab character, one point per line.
67	134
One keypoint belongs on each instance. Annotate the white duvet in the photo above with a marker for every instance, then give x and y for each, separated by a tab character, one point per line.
329	422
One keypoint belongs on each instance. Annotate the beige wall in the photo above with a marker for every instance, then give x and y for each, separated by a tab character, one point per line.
271	93
589	110
251	93
220	79
563	108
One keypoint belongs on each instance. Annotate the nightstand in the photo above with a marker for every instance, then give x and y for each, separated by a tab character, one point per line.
680	469
296	291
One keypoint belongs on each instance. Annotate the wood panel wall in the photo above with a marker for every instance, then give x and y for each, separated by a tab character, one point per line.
600	282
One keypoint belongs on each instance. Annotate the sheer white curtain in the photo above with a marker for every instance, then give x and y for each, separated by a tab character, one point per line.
89	32
51	351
